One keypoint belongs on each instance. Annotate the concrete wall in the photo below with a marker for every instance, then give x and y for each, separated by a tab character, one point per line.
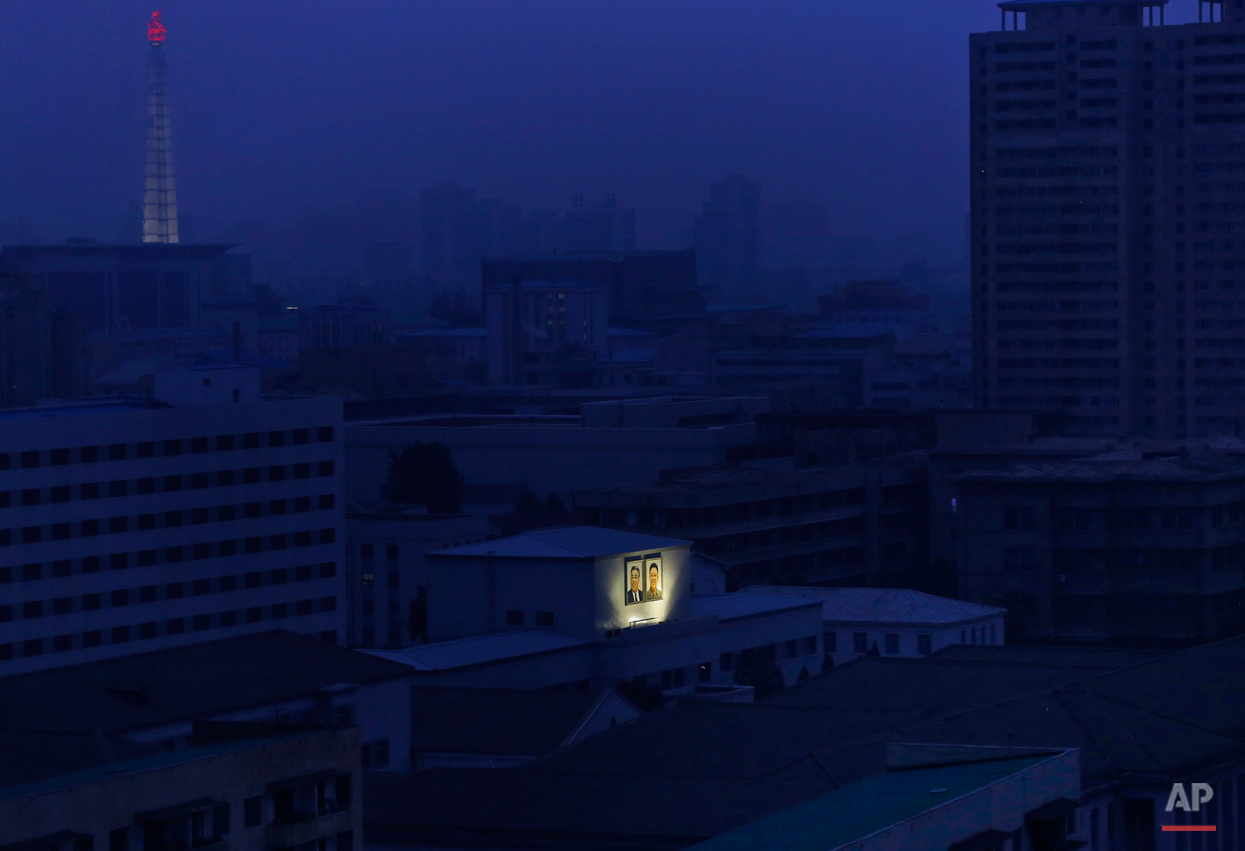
612	581
909	643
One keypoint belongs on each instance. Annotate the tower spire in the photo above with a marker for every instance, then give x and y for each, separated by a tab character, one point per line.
159	191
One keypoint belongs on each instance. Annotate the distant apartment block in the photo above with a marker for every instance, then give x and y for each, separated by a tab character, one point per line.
1105	220
848	525
727	234
126	526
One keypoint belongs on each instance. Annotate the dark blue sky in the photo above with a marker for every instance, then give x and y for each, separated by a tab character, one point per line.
281	105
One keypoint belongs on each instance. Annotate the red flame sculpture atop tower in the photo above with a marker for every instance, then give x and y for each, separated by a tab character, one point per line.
155	29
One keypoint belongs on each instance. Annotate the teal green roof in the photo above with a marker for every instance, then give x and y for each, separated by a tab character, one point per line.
856	811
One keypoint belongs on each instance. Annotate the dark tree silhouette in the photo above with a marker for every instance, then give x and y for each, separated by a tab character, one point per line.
424	474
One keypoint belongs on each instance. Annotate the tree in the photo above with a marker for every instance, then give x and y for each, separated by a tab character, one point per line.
424	474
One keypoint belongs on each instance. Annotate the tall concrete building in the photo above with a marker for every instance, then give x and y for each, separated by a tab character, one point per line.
728	237
159	190
1107	270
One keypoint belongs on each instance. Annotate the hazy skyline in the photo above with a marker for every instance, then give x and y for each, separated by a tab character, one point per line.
280	107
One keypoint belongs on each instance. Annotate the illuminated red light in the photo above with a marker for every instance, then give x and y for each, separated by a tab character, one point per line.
155	29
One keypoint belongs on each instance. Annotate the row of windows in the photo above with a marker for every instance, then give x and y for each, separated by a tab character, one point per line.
163	448
1058	286
1077	209
1058	324
1014	67
1060	248
1056	153
1059	363
1069	382
1061	343
1066	402
1056	191
1056	229
117	525
170	591
730	513
847	527
199	551
1067	306
1083	606
792	649
1053	268
164	484
156	629
827	561
165	520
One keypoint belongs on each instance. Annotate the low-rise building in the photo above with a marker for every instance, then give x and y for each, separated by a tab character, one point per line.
249	793
593	607
1144	542
772	522
156	698
613	443
894	621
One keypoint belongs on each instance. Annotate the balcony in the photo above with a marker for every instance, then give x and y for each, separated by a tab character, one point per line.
308	827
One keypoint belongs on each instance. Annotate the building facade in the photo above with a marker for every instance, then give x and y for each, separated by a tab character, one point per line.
848	525
1104	216
387	571
1140	543
128	527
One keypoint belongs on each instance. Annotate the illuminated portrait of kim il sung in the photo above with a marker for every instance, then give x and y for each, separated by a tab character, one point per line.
634	581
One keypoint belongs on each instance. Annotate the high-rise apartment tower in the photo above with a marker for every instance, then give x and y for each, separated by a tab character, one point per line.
159	191
1108	215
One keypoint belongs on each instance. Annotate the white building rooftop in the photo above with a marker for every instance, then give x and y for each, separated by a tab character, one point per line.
574	542
465	652
743	604
882	605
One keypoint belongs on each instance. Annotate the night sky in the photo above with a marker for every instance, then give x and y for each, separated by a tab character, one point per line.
281	106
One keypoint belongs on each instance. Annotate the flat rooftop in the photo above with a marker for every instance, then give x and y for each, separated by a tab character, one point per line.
481	650
576	542
861	809
880	605
102	405
744	604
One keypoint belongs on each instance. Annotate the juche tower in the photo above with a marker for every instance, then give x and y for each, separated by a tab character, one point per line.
159	192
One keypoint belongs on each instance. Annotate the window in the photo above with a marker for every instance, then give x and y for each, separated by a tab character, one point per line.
118	488
279	610
120	634
391	551
228	583
302	471
251	475
276	506
116	452
1020	558
147	594
255	614
89	454
220	819
302	573
394	580
328	604
147	485
992	633
327	569
302	607
30	459
250	440
61	643
92	638
381	751
276	473
514	617
810	645
119	839
924	644
90	602
199	480
90	490
224	478
251	509
544	618
201	586
202	622
252	808
224	443
276	438
793	648
120	597
327	501
830	642
173	591
325	434
147	630
1017	517
176	626
30	496
860	642
229	618
326	468
198	444
32	609
59	457
31	572
32	647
